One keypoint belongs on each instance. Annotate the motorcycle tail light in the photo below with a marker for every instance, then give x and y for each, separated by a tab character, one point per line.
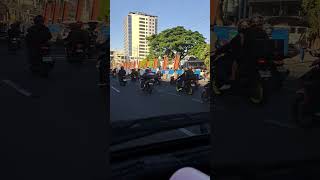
262	61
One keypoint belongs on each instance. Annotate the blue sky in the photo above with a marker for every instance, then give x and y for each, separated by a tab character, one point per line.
192	14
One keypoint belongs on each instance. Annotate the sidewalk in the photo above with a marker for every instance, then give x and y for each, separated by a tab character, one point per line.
297	69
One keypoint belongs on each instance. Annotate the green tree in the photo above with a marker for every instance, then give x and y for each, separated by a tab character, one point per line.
202	52
311	9
176	39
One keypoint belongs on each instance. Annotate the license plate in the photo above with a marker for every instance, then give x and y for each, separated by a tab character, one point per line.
193	85
265	74
151	84
79	50
124	80
47	59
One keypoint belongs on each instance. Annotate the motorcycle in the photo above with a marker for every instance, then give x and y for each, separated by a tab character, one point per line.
134	78
92	45
123	81
172	80
157	80
182	86
255	91
14	44
306	107
78	53
148	86
206	93
47	62
114	74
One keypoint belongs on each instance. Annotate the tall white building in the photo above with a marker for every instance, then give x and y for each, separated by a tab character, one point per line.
137	27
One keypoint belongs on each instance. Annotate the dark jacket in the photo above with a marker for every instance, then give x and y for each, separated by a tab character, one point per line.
78	36
37	35
122	73
15	32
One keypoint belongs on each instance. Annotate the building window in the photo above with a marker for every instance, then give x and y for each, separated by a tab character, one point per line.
142	29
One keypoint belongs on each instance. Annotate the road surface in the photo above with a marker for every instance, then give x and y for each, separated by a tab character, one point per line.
244	133
130	102
51	128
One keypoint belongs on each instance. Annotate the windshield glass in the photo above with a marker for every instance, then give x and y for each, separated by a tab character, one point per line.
144	79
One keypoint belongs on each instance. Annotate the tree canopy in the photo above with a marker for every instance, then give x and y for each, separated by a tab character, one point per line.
202	52
311	9
176	39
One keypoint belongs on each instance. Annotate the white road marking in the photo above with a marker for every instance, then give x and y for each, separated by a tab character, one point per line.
118	91
174	94
187	132
17	88
196	100
276	123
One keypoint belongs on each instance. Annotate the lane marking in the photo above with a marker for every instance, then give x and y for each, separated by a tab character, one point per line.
279	124
17	88
187	132
174	94
197	100
118	91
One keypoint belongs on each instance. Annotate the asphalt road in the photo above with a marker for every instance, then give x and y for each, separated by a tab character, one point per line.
135	104
51	128
244	133
130	102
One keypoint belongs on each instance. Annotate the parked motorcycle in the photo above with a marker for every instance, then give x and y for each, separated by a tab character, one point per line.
306	106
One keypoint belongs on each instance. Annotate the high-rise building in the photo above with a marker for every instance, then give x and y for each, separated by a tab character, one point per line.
137	27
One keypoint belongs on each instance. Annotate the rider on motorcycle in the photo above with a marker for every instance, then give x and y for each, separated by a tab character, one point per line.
122	73
14	31
75	36
37	35
147	75
236	46
134	73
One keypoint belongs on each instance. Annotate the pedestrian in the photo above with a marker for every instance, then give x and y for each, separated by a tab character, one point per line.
302	49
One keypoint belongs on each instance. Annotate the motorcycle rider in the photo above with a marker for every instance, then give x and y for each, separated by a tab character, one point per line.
14	32
237	48
37	35
121	73
134	73
93	35
75	36
147	75
114	71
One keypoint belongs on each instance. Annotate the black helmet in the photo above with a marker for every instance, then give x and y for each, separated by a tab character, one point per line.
38	19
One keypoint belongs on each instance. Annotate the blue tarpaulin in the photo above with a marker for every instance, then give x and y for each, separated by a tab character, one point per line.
226	33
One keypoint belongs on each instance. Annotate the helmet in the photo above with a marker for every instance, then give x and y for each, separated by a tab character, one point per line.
243	24
257	21
38	19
